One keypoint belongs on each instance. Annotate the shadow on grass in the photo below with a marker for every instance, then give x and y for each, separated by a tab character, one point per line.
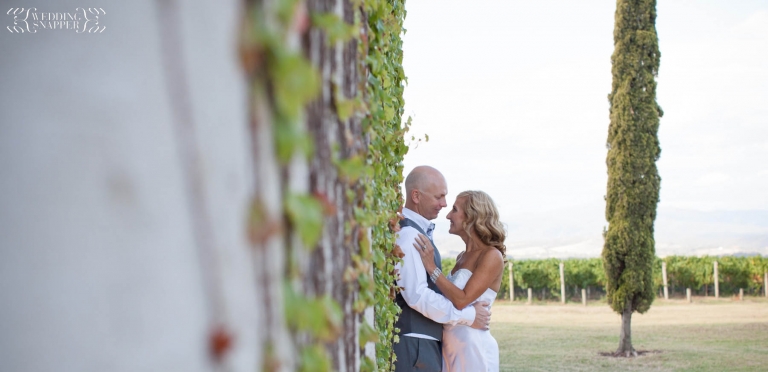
637	353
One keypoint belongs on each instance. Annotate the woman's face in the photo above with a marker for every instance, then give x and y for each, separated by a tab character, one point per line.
457	217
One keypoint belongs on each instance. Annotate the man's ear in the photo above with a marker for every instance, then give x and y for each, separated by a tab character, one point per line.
415	195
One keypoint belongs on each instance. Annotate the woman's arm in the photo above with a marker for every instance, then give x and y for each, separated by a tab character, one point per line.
483	276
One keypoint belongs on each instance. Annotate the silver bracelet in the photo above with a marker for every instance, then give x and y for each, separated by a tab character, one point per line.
435	274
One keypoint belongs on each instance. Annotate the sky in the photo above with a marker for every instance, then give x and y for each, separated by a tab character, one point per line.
513	98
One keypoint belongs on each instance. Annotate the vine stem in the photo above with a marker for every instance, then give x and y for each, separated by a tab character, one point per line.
177	88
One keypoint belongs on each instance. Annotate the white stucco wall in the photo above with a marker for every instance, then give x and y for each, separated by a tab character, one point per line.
99	270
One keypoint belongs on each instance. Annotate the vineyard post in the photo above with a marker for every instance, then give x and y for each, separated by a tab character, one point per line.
717	284
584	297
688	294
530	295
511	283
765	283
741	294
562	283
664	277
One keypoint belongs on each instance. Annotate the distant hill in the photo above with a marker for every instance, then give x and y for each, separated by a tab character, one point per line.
577	232
680	231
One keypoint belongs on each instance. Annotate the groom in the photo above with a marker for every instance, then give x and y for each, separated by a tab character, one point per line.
424	309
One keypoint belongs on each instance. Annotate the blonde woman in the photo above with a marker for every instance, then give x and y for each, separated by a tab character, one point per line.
476	277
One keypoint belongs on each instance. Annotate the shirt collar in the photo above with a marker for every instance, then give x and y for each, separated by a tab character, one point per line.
419	219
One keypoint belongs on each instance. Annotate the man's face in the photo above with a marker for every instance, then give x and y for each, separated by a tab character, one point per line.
431	198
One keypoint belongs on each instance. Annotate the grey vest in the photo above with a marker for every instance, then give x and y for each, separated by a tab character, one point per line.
410	320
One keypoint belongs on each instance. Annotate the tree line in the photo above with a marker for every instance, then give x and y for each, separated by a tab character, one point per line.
697	273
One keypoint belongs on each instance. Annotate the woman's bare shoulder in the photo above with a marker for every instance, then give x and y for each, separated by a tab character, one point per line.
491	256
488	257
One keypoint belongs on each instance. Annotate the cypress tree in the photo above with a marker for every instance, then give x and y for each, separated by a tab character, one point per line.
633	179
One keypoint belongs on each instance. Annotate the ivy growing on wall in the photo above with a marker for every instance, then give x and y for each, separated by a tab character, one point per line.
386	151
285	81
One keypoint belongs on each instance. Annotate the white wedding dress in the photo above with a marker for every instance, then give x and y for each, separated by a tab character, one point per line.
466	348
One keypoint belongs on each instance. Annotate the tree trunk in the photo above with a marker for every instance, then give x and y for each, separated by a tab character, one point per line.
625	339
167	239
321	272
343	138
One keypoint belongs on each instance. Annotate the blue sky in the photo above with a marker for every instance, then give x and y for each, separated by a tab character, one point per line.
513	96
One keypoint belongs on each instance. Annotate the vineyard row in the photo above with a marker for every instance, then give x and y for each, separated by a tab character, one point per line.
697	273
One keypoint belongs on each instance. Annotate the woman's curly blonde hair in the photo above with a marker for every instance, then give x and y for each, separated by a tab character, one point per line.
483	218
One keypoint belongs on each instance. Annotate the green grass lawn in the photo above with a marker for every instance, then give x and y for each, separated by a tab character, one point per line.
720	335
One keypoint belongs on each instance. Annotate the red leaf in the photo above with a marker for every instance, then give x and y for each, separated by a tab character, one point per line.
398	252
220	342
329	208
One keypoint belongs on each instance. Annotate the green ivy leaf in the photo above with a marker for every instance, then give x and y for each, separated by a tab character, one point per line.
345	108
314	358
306	213
353	168
289	139
296	82
367	334
321	317
335	28
367	364
389	112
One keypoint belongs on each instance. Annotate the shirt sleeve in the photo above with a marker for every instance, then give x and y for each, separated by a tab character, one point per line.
413	277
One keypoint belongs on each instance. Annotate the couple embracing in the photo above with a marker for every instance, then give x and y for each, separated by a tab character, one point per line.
445	318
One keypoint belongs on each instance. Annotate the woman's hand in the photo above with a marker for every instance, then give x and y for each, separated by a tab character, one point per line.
426	251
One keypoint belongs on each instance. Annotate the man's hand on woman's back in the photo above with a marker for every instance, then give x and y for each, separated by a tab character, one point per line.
482	316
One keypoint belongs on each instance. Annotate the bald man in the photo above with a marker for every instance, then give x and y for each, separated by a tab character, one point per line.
424	309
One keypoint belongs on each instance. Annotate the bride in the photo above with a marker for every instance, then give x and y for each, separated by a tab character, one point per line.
476	277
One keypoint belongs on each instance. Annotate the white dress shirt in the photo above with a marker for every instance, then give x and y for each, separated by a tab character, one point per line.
413	277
